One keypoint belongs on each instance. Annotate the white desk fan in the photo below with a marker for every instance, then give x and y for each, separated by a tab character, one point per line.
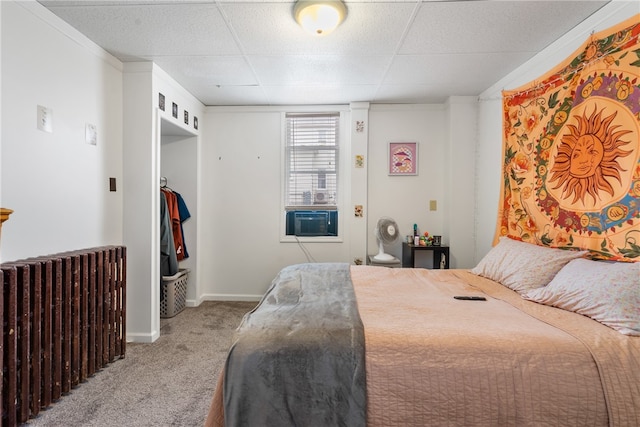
386	232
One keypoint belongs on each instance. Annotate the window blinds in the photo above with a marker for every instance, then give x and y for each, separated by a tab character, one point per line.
311	158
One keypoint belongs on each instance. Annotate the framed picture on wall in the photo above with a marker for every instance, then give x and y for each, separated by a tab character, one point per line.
403	158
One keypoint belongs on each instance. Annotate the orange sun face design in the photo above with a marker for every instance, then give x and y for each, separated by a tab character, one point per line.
587	157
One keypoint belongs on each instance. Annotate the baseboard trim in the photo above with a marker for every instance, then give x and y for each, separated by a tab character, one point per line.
230	297
143	338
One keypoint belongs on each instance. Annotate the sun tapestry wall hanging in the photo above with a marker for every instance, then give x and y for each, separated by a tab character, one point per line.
571	167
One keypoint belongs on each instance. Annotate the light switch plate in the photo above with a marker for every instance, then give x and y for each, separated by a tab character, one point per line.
45	119
433	205
90	134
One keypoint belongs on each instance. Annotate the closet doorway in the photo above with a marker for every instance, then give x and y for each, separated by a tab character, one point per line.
179	174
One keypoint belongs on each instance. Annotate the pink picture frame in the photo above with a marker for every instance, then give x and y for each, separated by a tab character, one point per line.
403	158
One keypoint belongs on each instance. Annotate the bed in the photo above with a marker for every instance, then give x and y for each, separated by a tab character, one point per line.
556	341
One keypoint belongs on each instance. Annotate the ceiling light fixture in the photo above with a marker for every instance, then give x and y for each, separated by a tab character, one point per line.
319	17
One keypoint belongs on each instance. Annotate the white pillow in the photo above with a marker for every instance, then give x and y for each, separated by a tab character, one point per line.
608	292
523	266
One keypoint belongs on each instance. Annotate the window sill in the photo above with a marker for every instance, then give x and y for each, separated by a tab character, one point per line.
311	239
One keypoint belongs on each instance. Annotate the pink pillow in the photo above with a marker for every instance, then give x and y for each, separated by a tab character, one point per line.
608	292
523	266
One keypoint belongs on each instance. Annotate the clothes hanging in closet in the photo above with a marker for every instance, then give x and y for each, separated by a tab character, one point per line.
178	213
168	257
174	214
184	215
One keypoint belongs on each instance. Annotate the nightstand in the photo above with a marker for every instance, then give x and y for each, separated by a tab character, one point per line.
440	254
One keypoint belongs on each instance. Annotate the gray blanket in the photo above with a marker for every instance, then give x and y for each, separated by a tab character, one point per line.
298	358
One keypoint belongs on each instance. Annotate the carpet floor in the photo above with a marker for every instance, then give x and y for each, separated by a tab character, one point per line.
167	383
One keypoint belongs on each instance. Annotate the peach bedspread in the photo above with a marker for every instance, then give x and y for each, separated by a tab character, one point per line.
432	360
435	360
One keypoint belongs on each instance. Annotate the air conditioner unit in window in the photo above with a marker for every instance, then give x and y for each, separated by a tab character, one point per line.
312	223
321	197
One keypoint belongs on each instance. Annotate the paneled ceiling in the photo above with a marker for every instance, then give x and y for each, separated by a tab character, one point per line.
252	52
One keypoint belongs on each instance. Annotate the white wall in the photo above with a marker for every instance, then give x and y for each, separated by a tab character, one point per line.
488	173
241	210
241	205
446	137
56	183
490	111
406	198
1	205
462	126
357	194
143	81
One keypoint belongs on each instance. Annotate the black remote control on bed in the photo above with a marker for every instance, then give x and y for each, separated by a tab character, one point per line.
470	298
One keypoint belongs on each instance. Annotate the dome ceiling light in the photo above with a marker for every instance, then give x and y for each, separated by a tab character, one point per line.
319	17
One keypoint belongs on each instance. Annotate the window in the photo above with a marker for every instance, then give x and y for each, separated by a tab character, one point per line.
311	174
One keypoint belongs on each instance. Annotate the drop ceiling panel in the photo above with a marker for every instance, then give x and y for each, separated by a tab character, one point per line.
460	73
209	70
369	29
499	26
319	69
160	29
321	94
232	95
